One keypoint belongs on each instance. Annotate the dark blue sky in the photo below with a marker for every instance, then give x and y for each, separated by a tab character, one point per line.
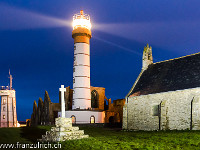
36	42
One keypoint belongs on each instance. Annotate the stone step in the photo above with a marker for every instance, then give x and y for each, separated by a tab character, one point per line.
73	133
75	128
65	133
63	137
61	129
75	137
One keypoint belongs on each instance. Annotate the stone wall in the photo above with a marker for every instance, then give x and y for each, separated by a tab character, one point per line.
45	112
101	96
175	110
115	110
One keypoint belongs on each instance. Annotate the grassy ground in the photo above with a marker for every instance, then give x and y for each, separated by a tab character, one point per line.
107	138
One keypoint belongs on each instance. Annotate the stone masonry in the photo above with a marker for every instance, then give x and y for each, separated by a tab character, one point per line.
165	96
63	131
174	110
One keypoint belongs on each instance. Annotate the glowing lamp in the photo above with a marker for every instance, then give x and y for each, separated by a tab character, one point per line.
81	20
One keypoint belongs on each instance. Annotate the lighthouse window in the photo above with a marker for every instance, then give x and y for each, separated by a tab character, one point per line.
73	119
92	119
73	80
4	116
74	47
74	58
74	69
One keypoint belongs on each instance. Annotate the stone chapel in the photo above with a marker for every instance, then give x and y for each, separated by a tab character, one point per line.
165	96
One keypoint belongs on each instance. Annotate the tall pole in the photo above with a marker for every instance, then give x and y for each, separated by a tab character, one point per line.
10	76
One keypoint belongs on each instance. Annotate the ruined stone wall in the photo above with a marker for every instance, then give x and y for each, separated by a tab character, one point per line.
115	110
175	110
101	94
69	97
108	115
53	112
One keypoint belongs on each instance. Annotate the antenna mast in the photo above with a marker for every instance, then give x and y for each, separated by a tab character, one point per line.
10	76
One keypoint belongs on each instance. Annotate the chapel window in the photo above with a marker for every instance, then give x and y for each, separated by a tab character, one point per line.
149	56
4	116
155	110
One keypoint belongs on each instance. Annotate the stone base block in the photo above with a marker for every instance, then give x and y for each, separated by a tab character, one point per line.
63	131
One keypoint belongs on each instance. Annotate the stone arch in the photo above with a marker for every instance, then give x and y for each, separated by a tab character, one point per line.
111	119
94	99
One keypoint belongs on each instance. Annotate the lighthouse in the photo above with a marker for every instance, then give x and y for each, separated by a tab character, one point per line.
81	70
82	112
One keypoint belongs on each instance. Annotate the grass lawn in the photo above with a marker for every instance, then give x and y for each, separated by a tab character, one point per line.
107	138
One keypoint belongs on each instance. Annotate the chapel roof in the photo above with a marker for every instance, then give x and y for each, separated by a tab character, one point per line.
171	75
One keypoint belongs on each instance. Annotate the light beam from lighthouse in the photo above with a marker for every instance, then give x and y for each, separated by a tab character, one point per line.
81	70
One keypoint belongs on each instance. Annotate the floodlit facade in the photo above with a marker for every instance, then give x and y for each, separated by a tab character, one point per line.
8	106
165	96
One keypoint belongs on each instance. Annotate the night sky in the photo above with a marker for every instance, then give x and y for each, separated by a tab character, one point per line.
36	42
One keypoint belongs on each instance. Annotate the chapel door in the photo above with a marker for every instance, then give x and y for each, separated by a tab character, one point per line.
159	116
163	116
195	113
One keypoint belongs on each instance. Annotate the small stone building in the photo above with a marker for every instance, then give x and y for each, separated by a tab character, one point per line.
165	96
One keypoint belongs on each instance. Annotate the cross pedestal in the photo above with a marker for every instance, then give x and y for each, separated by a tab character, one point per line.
63	130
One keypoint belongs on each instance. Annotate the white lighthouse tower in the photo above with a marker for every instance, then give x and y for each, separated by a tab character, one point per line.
81	112
81	71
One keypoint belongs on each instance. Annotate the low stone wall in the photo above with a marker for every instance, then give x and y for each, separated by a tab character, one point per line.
175	110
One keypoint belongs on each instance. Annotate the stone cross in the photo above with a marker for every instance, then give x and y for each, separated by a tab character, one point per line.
62	90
